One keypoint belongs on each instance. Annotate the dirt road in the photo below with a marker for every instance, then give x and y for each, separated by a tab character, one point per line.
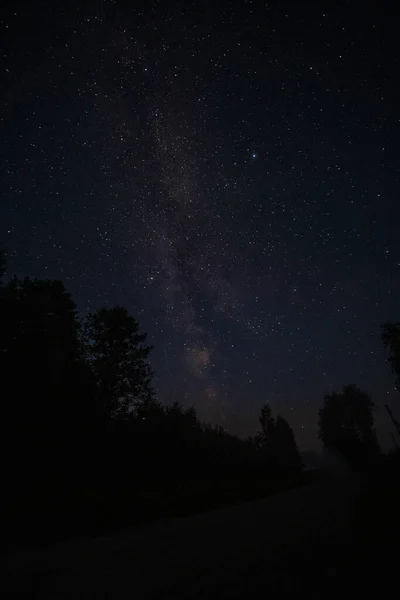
297	541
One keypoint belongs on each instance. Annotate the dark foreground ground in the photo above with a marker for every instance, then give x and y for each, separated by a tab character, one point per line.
330	538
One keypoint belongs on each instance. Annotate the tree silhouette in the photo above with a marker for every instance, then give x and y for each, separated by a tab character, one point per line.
117	355
267	422
46	395
40	350
265	439
391	340
286	447
346	423
277	440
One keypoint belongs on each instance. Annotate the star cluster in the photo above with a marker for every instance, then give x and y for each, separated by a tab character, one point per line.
224	170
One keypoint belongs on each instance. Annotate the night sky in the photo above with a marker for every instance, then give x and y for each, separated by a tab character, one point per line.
226	171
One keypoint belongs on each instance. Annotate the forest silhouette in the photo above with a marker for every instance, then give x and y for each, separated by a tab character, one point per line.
90	447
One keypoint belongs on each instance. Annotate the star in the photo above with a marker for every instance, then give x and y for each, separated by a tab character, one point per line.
209	179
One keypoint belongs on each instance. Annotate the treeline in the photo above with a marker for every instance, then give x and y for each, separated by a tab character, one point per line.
89	443
90	447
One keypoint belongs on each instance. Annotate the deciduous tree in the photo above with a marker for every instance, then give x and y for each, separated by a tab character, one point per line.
117	354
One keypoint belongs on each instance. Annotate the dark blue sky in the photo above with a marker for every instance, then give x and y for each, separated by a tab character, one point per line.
228	172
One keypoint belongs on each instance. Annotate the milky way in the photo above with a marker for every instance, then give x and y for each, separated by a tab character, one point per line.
226	172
